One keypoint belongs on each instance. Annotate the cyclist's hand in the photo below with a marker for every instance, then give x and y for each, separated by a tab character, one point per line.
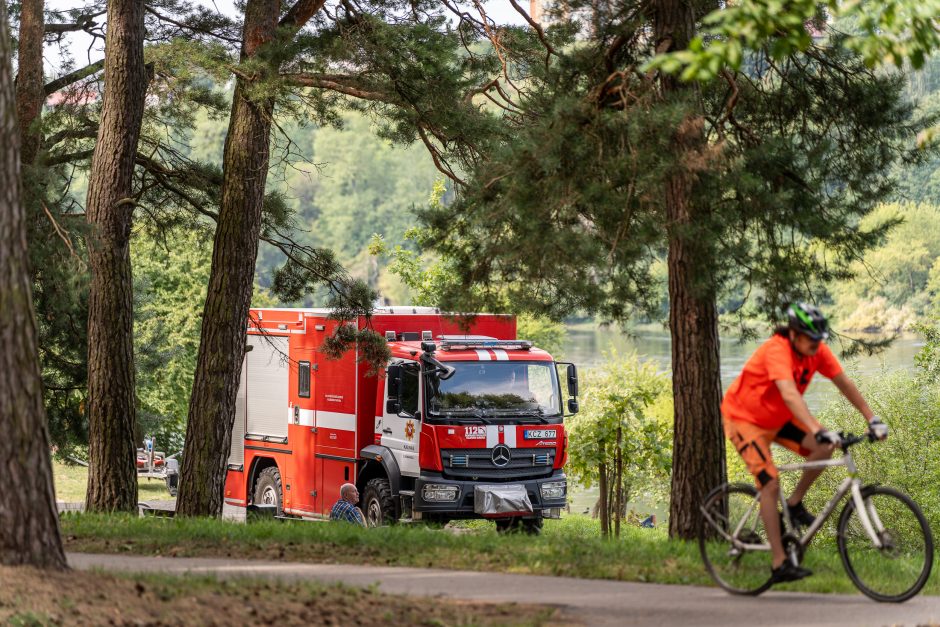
877	429
825	436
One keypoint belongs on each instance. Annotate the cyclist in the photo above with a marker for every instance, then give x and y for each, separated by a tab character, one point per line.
765	404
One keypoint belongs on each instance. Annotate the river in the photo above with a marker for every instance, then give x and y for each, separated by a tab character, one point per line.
586	348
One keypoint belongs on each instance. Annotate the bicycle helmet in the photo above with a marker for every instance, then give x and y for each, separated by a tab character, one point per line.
808	320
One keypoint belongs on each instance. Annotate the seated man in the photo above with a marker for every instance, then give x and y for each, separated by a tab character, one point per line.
345	508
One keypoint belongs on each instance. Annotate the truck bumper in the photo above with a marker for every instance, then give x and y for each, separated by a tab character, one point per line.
462	506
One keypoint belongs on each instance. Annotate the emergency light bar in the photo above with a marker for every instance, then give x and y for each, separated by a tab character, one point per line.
449	344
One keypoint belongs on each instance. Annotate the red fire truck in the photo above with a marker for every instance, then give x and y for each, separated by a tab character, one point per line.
461	423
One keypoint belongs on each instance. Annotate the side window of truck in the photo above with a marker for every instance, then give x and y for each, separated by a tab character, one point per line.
409	390
303	379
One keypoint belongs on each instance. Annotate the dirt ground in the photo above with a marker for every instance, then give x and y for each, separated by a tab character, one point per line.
29	597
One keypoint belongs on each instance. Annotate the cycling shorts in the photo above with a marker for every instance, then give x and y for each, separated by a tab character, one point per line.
752	443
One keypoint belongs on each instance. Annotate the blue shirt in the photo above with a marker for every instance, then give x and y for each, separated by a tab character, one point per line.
347	512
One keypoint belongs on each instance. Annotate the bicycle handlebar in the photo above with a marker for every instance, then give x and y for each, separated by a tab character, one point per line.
850	439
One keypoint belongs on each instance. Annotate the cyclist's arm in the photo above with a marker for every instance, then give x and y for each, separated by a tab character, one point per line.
851	393
796	404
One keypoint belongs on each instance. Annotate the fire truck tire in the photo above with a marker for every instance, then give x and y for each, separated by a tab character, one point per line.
377	503
268	489
532	527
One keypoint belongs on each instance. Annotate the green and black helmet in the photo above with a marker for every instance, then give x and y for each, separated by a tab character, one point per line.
808	320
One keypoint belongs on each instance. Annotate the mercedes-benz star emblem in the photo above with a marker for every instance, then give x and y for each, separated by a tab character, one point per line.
501	455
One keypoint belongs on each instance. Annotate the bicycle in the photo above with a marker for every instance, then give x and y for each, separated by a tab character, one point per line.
887	562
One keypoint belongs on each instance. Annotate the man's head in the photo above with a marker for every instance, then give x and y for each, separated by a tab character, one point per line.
349	493
808	327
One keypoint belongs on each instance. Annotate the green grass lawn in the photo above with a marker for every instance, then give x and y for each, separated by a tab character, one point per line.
71	479
568	547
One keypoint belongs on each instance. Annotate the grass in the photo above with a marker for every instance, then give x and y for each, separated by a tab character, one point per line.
569	547
71	479
31	597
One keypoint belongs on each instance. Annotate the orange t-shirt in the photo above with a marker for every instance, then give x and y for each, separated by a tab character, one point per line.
755	398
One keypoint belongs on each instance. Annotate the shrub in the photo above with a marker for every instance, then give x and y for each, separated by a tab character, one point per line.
621	440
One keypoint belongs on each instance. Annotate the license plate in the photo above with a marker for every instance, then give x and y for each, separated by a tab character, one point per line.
540	434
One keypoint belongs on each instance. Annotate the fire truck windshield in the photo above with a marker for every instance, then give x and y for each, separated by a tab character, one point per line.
497	388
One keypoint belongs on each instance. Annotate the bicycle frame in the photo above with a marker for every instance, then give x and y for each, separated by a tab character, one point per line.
851	484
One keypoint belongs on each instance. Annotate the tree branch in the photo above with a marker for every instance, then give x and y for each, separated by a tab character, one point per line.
73	77
89	132
169	20
334	82
301	12
535	26
69	157
82	22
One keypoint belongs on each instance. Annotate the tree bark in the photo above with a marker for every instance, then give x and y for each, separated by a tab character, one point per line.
29	522
698	445
112	477
231	279
604	502
618	483
29	83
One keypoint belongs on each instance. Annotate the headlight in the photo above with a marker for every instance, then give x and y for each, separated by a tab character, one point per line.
439	492
554	489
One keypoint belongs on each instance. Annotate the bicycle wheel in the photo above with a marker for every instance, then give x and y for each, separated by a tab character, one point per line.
898	570
728	508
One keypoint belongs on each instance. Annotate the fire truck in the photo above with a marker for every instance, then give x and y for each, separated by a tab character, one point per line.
464	421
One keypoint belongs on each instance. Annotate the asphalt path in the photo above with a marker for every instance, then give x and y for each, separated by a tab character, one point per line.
586	601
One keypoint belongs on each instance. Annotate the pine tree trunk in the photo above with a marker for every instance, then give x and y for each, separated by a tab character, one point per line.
222	344
29	83
112	476
29	522
698	446
618	483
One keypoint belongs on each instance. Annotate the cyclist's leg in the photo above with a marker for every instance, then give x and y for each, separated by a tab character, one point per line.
769	497
753	445
795	438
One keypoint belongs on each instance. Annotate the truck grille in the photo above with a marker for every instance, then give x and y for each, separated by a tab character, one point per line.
478	462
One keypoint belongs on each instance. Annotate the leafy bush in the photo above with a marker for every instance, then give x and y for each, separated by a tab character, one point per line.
623	434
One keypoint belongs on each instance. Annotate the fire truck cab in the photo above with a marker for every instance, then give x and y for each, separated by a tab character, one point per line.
461	423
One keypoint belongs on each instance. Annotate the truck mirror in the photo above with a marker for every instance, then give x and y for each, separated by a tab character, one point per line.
572	380
573	406
393	406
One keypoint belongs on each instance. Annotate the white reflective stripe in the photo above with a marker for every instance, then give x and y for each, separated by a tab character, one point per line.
484	355
510	433
501	355
492	435
336	420
306	417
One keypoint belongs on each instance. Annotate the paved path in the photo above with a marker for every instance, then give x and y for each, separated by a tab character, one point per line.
593	602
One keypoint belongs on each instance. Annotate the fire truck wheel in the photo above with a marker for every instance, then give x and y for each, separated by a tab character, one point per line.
378	504
268	489
532	527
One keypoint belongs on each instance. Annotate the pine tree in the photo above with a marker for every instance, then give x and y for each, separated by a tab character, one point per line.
29	522
400	61
758	178
112	476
